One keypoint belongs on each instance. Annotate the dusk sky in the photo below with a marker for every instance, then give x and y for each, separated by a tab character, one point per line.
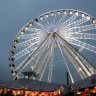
14	14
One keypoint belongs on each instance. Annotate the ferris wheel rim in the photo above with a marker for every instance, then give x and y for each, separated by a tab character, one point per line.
51	12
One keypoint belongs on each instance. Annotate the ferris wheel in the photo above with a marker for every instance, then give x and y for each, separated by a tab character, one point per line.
64	33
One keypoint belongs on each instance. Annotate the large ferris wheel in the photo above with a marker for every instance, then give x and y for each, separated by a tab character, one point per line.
64	32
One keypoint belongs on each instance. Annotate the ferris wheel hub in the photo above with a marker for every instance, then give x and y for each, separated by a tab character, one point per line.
52	29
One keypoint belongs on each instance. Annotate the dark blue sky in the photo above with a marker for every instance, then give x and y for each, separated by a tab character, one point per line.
14	14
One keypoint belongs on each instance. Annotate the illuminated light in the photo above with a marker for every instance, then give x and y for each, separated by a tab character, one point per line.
46	15
76	13
26	91
95	87
94	91
22	31
18	92
58	12
13	91
26	76
80	69
26	27
52	14
86	89
32	67
78	92
18	37
30	23
94	21
64	12
41	18
14	72
88	17
70	12
82	15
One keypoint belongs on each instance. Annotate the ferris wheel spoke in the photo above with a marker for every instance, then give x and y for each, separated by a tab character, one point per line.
77	22
38	30
51	64
51	42
75	63
54	21
62	19
71	49
28	42
46	63
37	60
68	21
81	59
42	64
84	36
79	66
29	59
20	66
40	54
66	35
25	51
29	36
64	60
41	26
83	28
47	21
88	65
83	44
